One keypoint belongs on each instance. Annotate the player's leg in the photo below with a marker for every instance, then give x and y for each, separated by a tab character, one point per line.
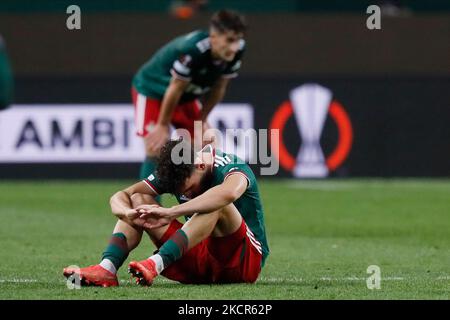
236	252
126	236
220	223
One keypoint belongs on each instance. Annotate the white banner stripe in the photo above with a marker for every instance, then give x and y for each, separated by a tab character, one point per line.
91	133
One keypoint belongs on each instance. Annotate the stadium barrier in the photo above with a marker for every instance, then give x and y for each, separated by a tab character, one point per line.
340	127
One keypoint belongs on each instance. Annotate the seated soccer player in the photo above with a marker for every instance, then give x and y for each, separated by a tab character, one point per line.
223	239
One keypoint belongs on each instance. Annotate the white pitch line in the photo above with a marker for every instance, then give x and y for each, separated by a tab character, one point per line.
17	280
159	279
267	279
273	279
321	187
352	278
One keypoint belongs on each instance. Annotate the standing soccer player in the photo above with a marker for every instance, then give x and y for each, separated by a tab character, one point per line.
223	240
168	88
6	81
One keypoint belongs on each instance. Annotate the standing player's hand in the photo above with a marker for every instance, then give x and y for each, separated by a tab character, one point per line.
157	137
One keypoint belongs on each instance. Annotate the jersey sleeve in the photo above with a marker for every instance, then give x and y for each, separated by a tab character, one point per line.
233	68
189	57
182	67
153	183
224	168
238	170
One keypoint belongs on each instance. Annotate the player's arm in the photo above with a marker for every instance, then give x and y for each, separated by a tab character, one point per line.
171	98
213	199
214	96
121	201
159	135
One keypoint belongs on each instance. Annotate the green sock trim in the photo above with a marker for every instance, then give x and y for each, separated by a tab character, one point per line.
174	248
117	250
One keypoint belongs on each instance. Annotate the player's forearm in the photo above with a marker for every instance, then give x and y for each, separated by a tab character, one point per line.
120	203
210	201
170	101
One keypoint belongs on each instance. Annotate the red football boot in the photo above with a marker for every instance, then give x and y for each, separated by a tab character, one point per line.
144	271
93	276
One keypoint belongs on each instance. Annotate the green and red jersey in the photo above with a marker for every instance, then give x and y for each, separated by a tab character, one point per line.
186	57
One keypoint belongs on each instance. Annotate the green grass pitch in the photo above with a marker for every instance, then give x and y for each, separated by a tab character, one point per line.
323	235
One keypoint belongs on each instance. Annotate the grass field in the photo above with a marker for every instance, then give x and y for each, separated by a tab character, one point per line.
322	234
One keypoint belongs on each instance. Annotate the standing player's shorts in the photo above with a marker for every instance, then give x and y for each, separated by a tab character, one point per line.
146	113
231	259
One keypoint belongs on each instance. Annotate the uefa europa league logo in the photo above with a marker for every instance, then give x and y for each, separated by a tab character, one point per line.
310	103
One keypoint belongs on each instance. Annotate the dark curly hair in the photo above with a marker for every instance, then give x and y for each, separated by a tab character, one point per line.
174	165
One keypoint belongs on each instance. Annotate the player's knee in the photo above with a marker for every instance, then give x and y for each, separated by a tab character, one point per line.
227	212
229	220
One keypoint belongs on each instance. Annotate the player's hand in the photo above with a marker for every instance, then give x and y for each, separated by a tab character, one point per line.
132	214
157	137
155	216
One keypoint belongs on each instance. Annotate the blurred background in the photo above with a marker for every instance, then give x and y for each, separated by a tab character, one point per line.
385	92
